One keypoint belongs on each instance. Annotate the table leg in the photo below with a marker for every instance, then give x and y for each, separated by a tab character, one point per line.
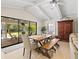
45	52
23	51
40	43
57	45
53	48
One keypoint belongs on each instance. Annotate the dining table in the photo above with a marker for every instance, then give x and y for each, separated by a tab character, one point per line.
47	46
39	38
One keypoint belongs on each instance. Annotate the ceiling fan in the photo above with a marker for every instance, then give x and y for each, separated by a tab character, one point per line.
56	2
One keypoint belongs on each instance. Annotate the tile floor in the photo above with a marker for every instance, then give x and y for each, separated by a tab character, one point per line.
61	53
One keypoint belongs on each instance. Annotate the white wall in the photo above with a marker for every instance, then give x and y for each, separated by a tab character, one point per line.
75	25
21	14
55	25
16	13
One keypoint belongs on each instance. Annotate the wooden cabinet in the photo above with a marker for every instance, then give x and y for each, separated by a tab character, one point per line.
64	29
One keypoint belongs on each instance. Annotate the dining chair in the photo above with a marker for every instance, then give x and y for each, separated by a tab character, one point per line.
27	45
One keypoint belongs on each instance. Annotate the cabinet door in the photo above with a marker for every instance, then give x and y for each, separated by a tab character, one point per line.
67	30
61	30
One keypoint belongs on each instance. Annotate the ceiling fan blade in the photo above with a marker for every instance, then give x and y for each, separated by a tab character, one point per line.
59	3
54	1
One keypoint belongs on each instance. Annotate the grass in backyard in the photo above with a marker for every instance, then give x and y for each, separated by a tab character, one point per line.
14	33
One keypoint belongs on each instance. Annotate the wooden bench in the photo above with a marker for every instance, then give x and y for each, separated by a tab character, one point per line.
48	46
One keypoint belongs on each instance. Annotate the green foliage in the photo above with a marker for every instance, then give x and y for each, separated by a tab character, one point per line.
43	29
29	28
32	29
15	28
12	27
20	28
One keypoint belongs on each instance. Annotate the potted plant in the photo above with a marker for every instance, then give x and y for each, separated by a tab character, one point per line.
30	30
43	29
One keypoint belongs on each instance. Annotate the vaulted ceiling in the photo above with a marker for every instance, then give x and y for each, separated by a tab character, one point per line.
42	9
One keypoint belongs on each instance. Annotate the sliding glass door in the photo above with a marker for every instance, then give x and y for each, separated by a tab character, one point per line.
11	29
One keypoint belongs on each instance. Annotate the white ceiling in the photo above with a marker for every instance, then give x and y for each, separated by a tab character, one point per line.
42	8
19	3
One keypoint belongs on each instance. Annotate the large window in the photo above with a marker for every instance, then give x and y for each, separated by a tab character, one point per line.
11	29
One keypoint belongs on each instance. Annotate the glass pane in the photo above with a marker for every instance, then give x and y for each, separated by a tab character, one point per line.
3	29
23	26
9	31
33	28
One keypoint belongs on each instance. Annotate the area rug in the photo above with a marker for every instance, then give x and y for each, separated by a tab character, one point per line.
11	48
